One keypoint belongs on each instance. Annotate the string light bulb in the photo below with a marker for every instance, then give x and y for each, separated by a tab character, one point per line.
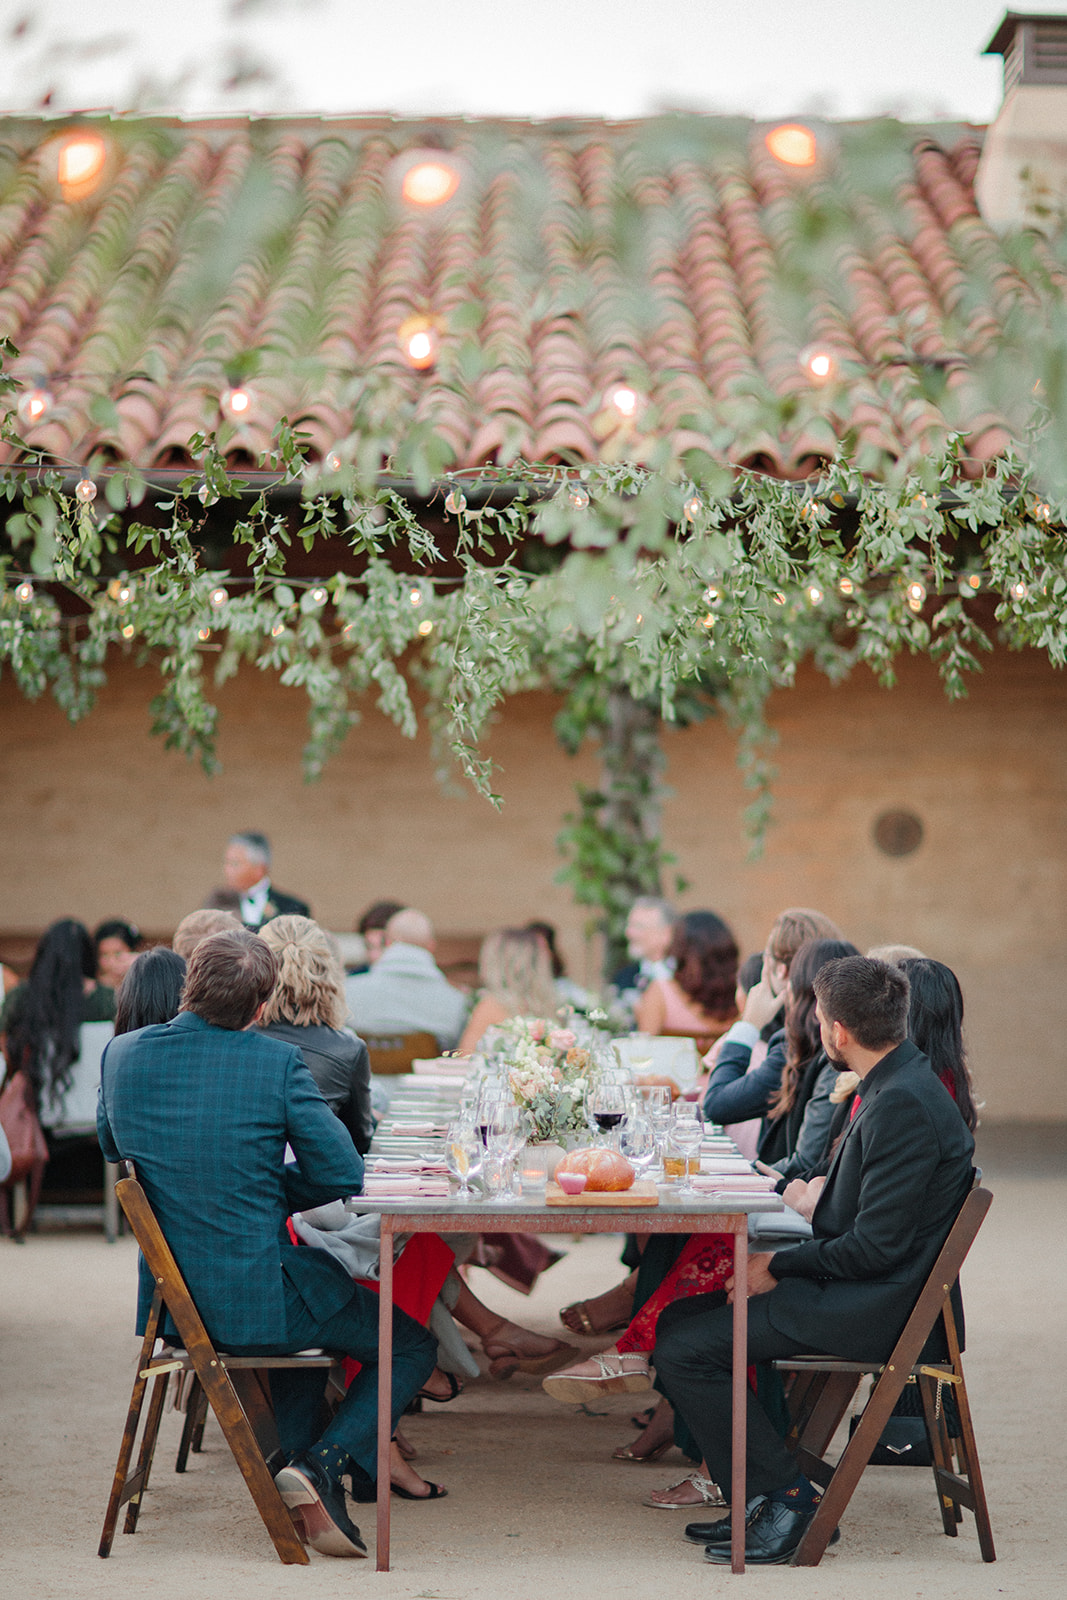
455	502
692	508
778	597
793	144
818	364
625	400
419	339
203	634
319	595
415	596
219	597
333	462
708	621
426	627
579	497
815	595
1042	511
846	586
34	406
1020	590
916	594
429	183
24	593
81	160
277	630
236	403
128	631
205	496
348	631
125	594
86	491
712	595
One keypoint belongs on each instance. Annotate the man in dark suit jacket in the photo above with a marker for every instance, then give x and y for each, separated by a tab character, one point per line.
205	1109
894	1188
246	868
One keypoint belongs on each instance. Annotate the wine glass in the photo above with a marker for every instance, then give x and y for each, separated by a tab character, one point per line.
493	1093
655	1098
502	1134
687	1132
607	1105
463	1156
637	1139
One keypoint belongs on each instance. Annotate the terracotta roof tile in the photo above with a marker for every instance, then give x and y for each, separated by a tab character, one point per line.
675	256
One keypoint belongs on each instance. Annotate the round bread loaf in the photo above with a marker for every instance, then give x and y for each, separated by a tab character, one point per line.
605	1170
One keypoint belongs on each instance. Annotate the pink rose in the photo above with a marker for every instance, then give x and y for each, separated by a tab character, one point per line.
562	1039
537	1029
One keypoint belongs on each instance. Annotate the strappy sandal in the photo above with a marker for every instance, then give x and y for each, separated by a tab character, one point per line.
710	1494
580	1311
640	1458
454	1388
612	1377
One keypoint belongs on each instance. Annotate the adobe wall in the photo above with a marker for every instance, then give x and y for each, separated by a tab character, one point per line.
100	820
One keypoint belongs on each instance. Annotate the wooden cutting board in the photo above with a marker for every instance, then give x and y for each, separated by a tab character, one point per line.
641	1194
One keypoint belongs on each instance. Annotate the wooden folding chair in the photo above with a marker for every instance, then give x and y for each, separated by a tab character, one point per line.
822	1388
234	1386
393	1053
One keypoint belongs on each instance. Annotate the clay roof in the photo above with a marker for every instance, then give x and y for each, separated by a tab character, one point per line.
676	256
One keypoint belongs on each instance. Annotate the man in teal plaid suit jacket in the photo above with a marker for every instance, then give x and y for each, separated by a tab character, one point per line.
205	1108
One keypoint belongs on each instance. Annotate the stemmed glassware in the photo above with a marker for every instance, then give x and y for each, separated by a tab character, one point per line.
504	1136
607	1106
637	1138
687	1133
464	1153
655	1100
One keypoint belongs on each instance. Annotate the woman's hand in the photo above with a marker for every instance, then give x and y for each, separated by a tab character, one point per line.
803	1197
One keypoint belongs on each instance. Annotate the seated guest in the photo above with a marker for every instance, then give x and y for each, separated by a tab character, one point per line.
371	929
116	943
567	992
897	1181
698	1000
151	991
246	868
40	1019
406	991
649	931
935	1025
175	1099
515	980
200	925
308	1010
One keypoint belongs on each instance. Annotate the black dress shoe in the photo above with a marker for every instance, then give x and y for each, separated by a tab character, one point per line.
317	1506
720	1532
771	1538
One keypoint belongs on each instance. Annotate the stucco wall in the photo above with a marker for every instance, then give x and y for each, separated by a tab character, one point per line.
100	820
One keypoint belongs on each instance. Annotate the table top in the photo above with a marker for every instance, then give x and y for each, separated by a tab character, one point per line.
702	1208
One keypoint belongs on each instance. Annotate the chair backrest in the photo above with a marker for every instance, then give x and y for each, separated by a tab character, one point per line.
170	1284
934	1304
394	1052
74	1111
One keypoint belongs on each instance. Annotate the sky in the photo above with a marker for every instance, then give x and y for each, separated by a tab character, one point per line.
527	58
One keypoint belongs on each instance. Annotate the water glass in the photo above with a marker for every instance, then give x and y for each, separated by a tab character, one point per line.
463	1156
687	1132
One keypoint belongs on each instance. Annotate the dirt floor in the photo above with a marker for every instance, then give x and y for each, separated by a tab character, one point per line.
535	1507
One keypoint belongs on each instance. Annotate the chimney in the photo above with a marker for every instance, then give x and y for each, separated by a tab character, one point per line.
1022	176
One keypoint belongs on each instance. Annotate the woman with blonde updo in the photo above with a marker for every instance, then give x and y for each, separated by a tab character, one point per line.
515	972
307	1009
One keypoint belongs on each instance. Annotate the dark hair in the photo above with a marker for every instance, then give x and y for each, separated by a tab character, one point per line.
377	915
117	929
705	954
935	1024
44	1034
257	844
802	1039
869	998
548	934
151	991
228	978
750	971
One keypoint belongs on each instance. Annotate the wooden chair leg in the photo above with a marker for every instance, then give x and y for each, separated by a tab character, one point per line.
193	1428
973	1474
941	1451
137	1482
129	1434
826	1402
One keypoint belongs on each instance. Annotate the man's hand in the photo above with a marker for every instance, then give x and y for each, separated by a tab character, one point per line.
761	1004
760	1278
803	1197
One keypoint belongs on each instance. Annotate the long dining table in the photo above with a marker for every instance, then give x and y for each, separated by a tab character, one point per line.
406	1214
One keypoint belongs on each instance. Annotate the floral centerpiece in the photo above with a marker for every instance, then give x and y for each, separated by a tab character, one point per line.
550	1074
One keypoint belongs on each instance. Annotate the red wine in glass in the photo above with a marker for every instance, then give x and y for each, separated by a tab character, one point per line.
606	1120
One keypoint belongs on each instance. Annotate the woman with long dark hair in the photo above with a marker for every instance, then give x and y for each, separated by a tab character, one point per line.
935	1024
41	1019
800	1111
151	991
698	1002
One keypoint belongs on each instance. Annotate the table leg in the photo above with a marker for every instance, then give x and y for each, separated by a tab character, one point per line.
385	1390
740	1400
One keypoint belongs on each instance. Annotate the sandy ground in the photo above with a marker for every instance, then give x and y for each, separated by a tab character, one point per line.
535	1507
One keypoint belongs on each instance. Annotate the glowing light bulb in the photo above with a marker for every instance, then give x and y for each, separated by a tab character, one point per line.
333	462
793	144
219	598
125	594
419	340
349	631
712	595
708	621
625	401
86	491
1020	591
692	508
429	183
277	630
1042	512
815	595
916	594
455	502
236	403
846	586
34	406
319	595
426	627
974	581
204	633
128	631
639	618
818	364
778	597
24	593
80	162
415	596
579	497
